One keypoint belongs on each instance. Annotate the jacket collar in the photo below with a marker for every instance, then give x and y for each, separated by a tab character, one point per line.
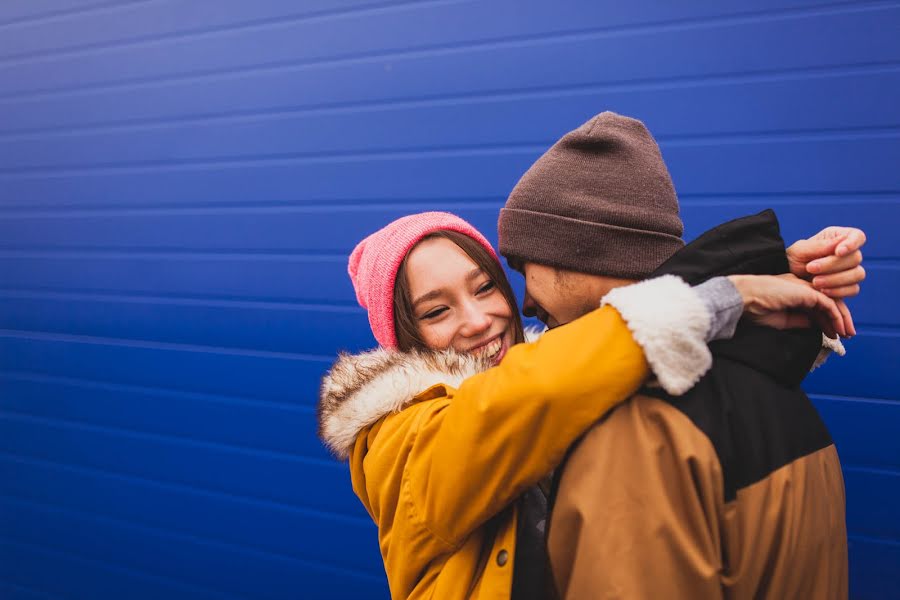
749	245
362	388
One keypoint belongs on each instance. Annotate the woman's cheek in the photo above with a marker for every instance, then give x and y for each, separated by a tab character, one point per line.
497	307
437	336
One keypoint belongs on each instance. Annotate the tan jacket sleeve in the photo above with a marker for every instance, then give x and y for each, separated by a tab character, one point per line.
504	429
637	509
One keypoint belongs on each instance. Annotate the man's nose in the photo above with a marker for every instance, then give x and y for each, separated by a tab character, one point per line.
529	306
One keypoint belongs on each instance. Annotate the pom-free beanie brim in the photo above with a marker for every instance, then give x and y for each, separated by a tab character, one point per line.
590	247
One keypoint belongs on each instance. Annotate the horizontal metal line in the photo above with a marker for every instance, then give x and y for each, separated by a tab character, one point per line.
201	32
868	325
858	399
434	50
25	590
167	253
81	10
877	332
107	251
108	566
873	470
273	160
187	489
10	415
885	262
783	135
125	252
194	539
868	539
786	199
537	145
144	389
96	252
889	197
205	254
886	196
876	325
152	345
513	94
345	307
316	206
212	299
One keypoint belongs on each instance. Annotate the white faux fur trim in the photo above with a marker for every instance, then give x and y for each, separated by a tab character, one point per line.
670	322
360	389
828	346
533	334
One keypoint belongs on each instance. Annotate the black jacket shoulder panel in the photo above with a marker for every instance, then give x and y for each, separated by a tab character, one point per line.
749	404
749	245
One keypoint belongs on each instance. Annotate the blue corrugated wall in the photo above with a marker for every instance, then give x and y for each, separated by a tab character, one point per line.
180	184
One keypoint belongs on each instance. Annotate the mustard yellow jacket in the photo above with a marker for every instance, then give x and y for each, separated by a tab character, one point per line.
438	470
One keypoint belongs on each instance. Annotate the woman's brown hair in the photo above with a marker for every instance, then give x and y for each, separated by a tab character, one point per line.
406	325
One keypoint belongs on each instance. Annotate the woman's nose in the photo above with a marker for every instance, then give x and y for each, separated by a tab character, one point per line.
475	320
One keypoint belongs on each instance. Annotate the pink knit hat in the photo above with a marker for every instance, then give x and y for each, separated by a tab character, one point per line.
375	260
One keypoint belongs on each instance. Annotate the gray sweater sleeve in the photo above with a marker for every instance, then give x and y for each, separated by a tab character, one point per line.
724	304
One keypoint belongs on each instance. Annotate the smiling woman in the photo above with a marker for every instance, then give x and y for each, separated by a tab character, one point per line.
451	292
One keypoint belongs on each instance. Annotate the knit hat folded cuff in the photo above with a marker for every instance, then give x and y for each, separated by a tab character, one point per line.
583	246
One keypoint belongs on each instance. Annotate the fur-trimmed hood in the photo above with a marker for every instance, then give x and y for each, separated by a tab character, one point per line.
362	388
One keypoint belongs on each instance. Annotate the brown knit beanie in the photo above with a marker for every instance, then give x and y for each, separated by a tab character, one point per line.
599	201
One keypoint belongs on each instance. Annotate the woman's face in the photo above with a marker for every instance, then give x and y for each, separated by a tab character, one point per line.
456	304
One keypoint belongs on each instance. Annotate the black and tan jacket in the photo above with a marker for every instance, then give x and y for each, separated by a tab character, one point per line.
733	490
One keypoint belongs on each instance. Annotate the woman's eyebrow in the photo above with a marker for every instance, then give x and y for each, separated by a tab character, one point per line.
473	274
426	297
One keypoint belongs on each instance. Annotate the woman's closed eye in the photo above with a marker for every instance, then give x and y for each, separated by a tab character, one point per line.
434	313
487	287
484	289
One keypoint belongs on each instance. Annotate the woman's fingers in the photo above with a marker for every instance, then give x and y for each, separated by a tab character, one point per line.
835	264
848	318
854	241
797	320
829	316
847	291
842	279
786	301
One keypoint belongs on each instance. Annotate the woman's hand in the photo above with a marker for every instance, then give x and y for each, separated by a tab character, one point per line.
786	302
832	261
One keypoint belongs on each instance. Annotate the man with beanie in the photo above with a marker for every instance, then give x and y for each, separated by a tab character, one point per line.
731	490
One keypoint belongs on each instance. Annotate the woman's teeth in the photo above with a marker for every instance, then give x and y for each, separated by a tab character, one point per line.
493	349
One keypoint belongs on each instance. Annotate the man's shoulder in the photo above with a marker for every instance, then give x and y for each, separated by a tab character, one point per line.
755	423
645	436
654	418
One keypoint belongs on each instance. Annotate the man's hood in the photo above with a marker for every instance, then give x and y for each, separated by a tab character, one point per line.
749	245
